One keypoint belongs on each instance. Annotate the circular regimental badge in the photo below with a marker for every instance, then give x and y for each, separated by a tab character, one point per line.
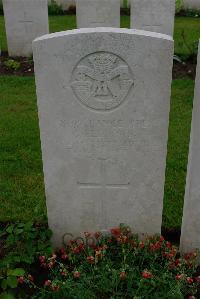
101	81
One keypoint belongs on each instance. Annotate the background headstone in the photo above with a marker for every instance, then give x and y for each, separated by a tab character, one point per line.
98	13
153	15
103	99
66	4
191	4
190	232
24	20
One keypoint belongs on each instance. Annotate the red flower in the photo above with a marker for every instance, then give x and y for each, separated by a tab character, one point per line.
54	256
141	244
155	246
165	254
50	265
191	297
77	274
197	279
42	259
190	255
62	251
64	256
87	234
122	239
97	235
179	276
172	253
104	247
122	275
168	244
78	249
189	280
64	274
55	288
20	279
91	259
147	274
116	231
161	239
71	243
47	283
177	262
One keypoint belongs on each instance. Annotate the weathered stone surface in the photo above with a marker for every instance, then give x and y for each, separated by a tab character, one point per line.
103	98
24	20
97	13
153	15
191	4
190	232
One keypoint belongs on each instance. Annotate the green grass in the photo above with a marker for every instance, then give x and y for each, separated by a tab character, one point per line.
190	26
179	135
21	179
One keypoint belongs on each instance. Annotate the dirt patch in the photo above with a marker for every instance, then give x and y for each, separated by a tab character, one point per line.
184	70
26	67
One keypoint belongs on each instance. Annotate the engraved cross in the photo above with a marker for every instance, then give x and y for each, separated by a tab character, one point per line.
26	19
103	183
103	186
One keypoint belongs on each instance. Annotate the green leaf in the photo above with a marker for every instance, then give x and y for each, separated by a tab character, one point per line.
18	231
28	225
16	272
10	238
6	295
12	281
9	230
4	284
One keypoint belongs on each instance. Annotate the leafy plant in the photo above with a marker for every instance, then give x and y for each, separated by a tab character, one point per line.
116	265
21	242
9	280
192	48
179	5
12	64
191	13
54	8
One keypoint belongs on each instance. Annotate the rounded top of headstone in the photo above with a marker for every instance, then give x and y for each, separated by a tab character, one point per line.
105	30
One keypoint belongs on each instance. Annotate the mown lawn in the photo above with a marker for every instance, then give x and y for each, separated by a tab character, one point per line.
21	179
187	27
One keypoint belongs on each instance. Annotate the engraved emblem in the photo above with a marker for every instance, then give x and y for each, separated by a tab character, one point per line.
101	81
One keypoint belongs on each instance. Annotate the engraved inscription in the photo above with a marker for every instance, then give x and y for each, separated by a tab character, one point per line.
101	81
97	135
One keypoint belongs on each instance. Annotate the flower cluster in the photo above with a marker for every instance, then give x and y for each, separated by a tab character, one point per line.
117	259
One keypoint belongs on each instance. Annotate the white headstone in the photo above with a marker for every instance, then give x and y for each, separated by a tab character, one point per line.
24	20
66	4
191	4
98	13
103	98
153	15
190	232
